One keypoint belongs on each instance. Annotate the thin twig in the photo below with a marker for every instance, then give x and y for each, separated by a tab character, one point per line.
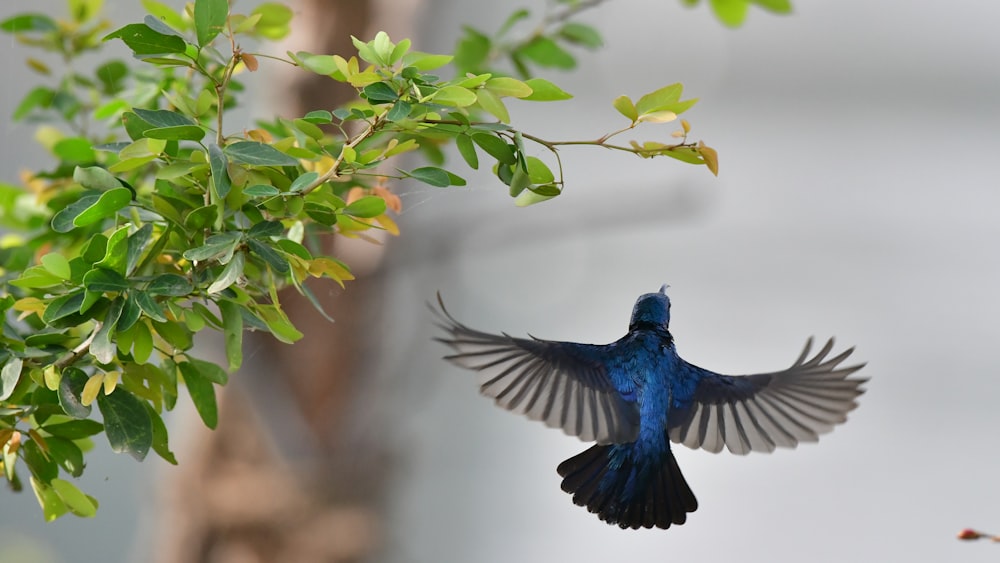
80	350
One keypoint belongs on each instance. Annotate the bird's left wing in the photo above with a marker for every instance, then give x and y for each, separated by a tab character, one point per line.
563	384
767	410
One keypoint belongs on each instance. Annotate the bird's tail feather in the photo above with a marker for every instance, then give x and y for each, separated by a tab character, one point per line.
621	496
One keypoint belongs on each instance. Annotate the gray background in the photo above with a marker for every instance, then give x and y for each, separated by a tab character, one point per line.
858	198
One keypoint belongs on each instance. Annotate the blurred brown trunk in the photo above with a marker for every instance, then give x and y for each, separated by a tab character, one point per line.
275	481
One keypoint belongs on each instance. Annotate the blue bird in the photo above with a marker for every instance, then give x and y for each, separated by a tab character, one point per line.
634	396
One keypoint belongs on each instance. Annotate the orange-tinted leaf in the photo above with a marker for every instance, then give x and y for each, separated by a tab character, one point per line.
710	156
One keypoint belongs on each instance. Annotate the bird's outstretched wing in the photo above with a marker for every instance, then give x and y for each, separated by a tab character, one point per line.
563	384
767	410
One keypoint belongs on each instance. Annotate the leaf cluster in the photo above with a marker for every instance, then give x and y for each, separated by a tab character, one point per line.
157	223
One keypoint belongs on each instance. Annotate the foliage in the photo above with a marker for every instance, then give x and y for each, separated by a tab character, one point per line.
734	12
157	223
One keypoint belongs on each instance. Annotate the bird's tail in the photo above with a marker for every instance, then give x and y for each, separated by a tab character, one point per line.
622	493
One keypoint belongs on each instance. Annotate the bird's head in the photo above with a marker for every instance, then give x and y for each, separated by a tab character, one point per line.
651	311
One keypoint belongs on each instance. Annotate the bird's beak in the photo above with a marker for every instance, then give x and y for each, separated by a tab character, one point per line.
663	288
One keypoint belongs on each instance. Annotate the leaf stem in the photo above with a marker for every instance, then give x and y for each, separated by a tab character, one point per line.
332	173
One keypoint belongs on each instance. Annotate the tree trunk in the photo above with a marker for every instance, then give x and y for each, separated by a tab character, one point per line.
280	479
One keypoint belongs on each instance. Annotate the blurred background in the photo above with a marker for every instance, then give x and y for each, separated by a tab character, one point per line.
858	197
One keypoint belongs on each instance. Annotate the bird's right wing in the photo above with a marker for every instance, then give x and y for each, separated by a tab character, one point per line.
563	384
767	410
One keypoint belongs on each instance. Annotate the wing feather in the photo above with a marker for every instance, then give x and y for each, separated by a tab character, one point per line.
765	411
562	384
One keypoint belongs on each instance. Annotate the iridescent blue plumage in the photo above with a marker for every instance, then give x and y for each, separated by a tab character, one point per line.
636	395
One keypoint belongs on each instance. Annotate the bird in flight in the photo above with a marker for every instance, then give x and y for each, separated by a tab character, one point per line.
635	396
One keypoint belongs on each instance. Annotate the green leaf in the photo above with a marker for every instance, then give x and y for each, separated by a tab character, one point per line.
202	218
261	190
116	251
161	26
373	206
144	41
210	371
274	20
219	245
174	333
137	242
539	172
95	178
424	61
508	87
161	118
209	19
74	499
304	180
320	64
178	133
493	104
468	151
102	348
400	110
625	107
57	265
539	194
428	175
512	20
130	314
91	208
149	306
95	249
495	147
232	330
776	6
544	91
266	229
142	342
52	506
40	96
160	443
581	34
161	11
175	285
472	51
547	53
70	387
74	149
318	117
519	181
101	279
379	93
75	429
67	454
269	255
258	154
220	175
126	423
23	23
38	461
63	306
279	325
202	393
37	277
455	96
730	12
659	99
9	376
230	274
